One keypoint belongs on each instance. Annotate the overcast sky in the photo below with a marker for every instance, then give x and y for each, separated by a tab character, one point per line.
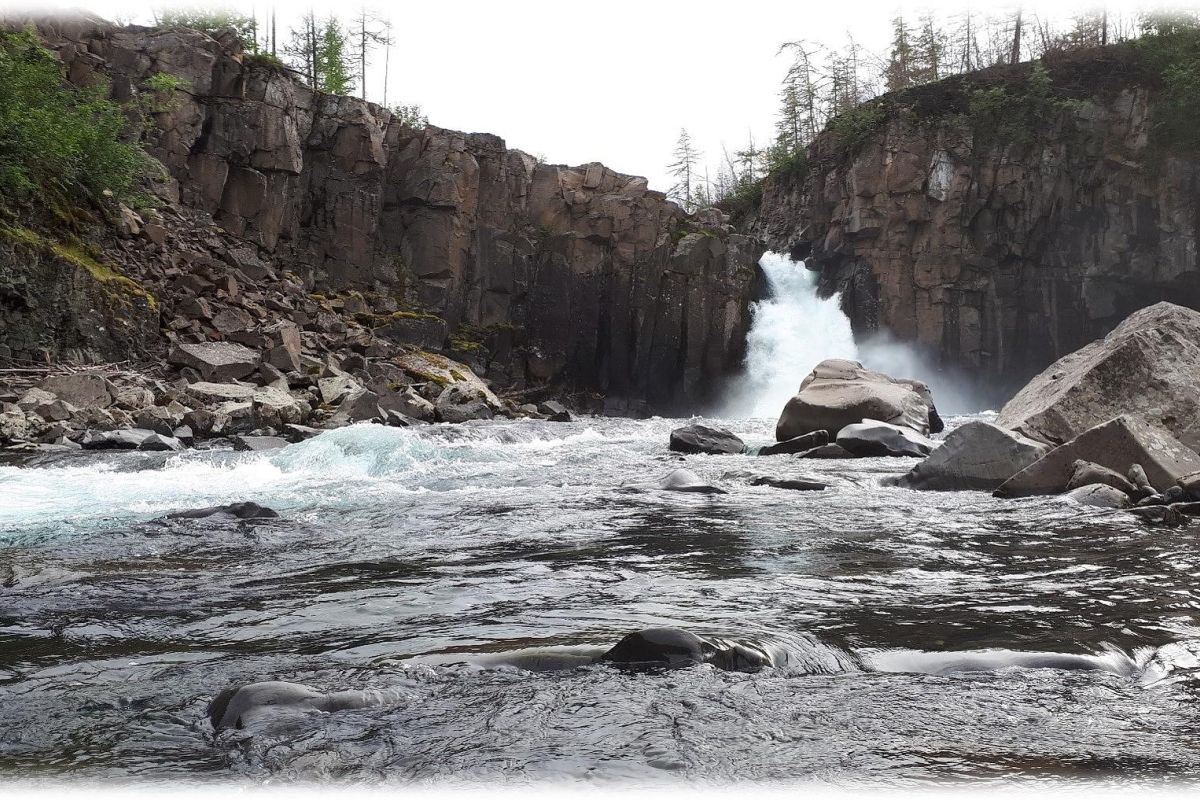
606	81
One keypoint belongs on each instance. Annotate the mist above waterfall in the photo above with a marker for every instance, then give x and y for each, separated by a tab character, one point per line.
794	329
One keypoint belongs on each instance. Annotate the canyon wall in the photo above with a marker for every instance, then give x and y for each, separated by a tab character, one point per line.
1001	229
535	274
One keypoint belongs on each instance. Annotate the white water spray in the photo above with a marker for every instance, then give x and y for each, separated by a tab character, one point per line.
791	332
794	330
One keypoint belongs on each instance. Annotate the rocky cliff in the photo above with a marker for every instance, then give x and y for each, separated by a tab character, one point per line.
1001	219
579	278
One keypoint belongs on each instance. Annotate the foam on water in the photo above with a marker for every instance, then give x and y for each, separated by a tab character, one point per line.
330	469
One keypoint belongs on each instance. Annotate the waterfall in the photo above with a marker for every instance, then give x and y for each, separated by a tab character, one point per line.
790	333
793	330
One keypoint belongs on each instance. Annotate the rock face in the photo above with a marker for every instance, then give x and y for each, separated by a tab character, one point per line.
1148	367
579	277
703	439
838	393
1117	444
977	455
998	247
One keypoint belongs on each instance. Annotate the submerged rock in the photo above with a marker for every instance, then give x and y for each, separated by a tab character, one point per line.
555	411
672	648
461	402
684	480
977	455
1117	444
237	706
874	438
1166	516
127	439
839	393
245	510
1153	358
832	450
797	444
796	484
703	439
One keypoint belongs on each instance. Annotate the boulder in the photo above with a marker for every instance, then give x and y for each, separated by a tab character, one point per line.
977	455
554	411
1141	482
1117	444
359	406
1085	473
236	510
404	401
244	443
216	361
157	442
14	427
298	433
285	347
1171	496
1148	368
460	402
684	480
872	437
703	439
1167	516
671	648
275	407
796	445
336	388
207	393
128	439
35	398
1190	483
1099	495
839	392
82	390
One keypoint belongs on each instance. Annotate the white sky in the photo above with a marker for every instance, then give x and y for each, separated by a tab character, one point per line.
610	81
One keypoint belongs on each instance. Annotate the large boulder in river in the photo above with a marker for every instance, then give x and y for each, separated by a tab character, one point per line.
684	480
1100	495
672	648
874	438
977	455
839	392
1148	367
703	439
797	445
1117	444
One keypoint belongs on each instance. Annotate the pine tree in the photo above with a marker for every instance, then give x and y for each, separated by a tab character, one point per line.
333	60
805	83
898	72
684	170
930	49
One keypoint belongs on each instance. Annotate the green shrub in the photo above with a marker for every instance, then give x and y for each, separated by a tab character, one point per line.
1016	112
211	21
855	126
55	137
1171	52
166	83
264	61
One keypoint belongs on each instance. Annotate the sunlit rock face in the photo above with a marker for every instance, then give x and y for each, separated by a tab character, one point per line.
578	276
998	250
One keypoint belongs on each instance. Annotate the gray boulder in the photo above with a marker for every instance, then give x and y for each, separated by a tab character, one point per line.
82	390
1099	495
832	450
128	439
872	437
796	445
1147	368
460	402
555	411
977	455
361	405
703	439
1085	473
839	393
157	442
1117	444
216	361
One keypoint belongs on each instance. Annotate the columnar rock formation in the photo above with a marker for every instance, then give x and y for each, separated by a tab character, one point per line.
999	240
533	273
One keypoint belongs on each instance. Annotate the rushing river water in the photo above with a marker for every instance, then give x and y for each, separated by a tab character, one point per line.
467	569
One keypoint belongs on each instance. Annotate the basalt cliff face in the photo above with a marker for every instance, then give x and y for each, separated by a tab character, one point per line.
998	242
534	274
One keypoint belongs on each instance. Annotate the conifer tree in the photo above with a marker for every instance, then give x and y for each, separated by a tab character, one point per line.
683	168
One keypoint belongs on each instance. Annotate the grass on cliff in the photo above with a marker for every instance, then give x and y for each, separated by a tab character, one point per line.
56	137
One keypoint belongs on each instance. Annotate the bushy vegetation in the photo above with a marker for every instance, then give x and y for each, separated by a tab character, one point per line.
1170	49
1015	112
855	125
56	138
211	21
